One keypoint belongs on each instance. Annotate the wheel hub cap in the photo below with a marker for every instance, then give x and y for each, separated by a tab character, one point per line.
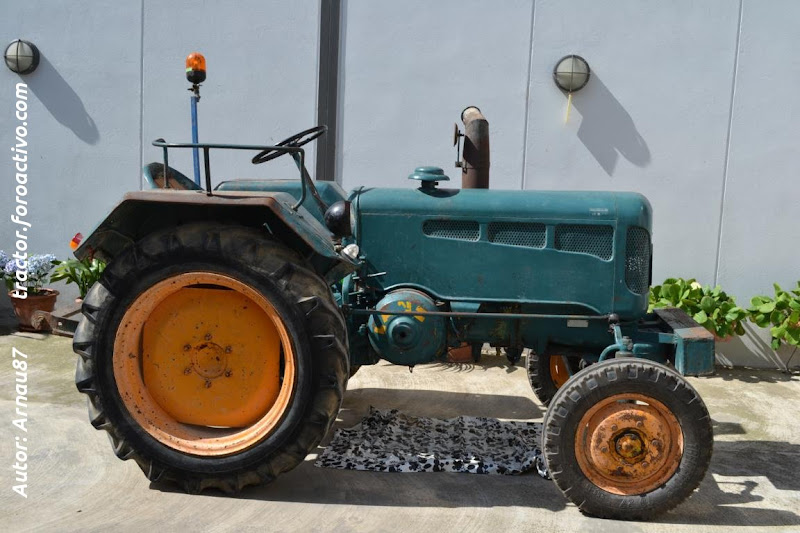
629	444
209	360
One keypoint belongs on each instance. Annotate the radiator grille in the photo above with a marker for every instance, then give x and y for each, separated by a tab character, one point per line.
586	239
461	230
637	260
532	235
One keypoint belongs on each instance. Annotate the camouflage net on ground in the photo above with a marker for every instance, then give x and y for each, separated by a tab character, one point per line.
390	441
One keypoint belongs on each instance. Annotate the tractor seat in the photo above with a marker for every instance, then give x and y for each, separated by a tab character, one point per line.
154	176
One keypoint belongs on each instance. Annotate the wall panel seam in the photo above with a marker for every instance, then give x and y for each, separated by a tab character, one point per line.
728	144
141	94
527	99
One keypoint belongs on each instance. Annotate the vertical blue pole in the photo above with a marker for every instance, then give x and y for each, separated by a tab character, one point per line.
195	151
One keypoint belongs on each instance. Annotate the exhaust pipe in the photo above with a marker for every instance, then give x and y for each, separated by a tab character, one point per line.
475	166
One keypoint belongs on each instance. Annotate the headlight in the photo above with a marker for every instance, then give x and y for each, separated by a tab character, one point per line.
351	251
339	219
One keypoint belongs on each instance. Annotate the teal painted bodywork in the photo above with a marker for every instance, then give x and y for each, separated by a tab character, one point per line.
407	339
473	253
541	269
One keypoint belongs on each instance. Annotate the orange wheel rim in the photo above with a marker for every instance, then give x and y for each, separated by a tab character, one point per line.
629	444
204	364
559	371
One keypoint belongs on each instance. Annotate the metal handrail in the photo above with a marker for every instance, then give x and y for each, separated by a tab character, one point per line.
161	143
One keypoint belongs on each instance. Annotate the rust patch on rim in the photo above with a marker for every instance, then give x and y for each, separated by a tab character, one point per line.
629	444
204	364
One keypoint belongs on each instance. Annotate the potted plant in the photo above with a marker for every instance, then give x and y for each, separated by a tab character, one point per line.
781	314
84	273
36	297
713	308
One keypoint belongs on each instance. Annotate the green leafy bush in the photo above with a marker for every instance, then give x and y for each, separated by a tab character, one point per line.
82	273
781	314
712	308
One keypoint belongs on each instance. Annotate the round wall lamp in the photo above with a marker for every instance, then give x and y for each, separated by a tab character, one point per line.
571	73
21	56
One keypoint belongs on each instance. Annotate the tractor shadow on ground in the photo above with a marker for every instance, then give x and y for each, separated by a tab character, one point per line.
737	469
435	404
310	484
755	375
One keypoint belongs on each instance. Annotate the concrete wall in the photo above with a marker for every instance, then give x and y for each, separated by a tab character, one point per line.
692	103
262	79
111	80
83	118
406	77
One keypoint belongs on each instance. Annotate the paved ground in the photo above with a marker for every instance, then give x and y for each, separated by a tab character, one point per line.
76	483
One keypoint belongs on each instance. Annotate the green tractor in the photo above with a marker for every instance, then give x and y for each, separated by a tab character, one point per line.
217	346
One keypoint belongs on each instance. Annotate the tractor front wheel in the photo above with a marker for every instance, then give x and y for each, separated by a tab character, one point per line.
212	356
627	439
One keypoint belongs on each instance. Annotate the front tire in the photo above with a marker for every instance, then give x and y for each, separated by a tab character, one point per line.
627	439
212	356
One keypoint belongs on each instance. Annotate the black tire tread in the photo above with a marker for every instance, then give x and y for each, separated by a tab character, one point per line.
585	389
247	246
541	382
539	377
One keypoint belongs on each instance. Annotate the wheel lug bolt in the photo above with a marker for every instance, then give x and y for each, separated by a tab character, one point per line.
228	349
208	336
639	424
228	373
187	370
645	464
604	449
614	427
187	347
208	384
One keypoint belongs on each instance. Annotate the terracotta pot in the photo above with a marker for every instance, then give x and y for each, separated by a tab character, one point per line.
25	308
461	354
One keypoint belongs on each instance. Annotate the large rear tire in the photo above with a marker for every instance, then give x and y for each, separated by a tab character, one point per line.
212	356
627	439
549	371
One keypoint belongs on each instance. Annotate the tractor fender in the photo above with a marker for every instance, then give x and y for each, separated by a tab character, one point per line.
140	213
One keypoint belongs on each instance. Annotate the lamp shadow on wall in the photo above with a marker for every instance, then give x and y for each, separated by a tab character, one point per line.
62	102
606	129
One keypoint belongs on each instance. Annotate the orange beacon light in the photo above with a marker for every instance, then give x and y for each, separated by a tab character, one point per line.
195	68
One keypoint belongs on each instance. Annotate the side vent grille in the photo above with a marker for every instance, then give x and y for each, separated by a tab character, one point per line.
531	235
586	239
460	230
637	260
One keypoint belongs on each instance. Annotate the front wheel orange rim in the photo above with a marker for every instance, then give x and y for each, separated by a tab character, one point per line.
629	444
204	364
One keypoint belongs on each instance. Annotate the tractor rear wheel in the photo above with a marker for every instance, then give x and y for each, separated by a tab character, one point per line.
550	371
627	439
212	356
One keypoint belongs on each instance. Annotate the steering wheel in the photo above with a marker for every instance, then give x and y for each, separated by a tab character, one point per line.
297	140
